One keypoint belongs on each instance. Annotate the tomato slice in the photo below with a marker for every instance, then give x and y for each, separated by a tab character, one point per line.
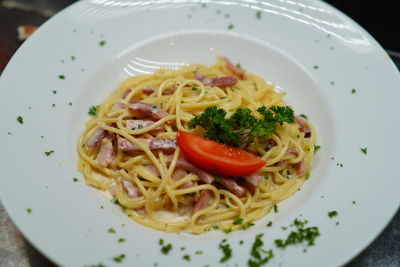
217	158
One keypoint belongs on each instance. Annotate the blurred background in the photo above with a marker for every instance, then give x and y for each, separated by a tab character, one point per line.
19	18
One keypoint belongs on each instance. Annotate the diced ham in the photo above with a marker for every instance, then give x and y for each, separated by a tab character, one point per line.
152	169
139	124
126	146
96	137
203	200
146	110
303	126
131	189
300	167
167	145
219	81
106	153
117	106
232	186
238	72
183	163
151	89
179	174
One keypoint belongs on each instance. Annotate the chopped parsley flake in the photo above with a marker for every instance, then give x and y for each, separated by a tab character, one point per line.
20	119
93	110
238	221
269	224
227	231
307	235
53	105
226	250
315	67
303	116
266	177
102	43
186	257
258	14
111	230
239	66
275	208
215	227
183	248
339	165
121	240
61	77
332	214
73	58
194	88
119	258
363	150
166	249
230	26
161	241
257	253
54	92
70	103
353	91
241	242
354	202
316	148
76	179
198	252
337	223
29	210
48	153
247	226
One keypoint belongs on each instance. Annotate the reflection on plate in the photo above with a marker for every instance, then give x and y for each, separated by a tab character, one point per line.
331	69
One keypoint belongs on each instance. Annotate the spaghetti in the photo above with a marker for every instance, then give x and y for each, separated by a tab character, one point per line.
129	150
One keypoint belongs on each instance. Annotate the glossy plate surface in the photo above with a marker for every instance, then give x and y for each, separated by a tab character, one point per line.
332	70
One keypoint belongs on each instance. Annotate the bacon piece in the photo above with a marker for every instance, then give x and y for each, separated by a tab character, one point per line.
131	189
96	137
152	169
151	89
146	110
106	153
303	126
300	167
126	93
117	106
251	181
167	145
183	163
219	81
238	72
292	151
179	174
125	145
139	124
232	186
202	202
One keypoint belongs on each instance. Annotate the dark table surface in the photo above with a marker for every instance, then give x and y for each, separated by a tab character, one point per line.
16	251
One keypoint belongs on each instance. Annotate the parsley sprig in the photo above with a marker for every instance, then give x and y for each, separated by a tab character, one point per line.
242	126
259	255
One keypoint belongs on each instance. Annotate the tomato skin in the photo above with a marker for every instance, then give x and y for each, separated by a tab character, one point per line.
217	158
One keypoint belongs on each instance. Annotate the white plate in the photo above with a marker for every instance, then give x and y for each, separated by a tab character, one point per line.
313	52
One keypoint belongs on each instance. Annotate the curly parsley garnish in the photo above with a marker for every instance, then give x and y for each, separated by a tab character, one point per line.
257	253
242	126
